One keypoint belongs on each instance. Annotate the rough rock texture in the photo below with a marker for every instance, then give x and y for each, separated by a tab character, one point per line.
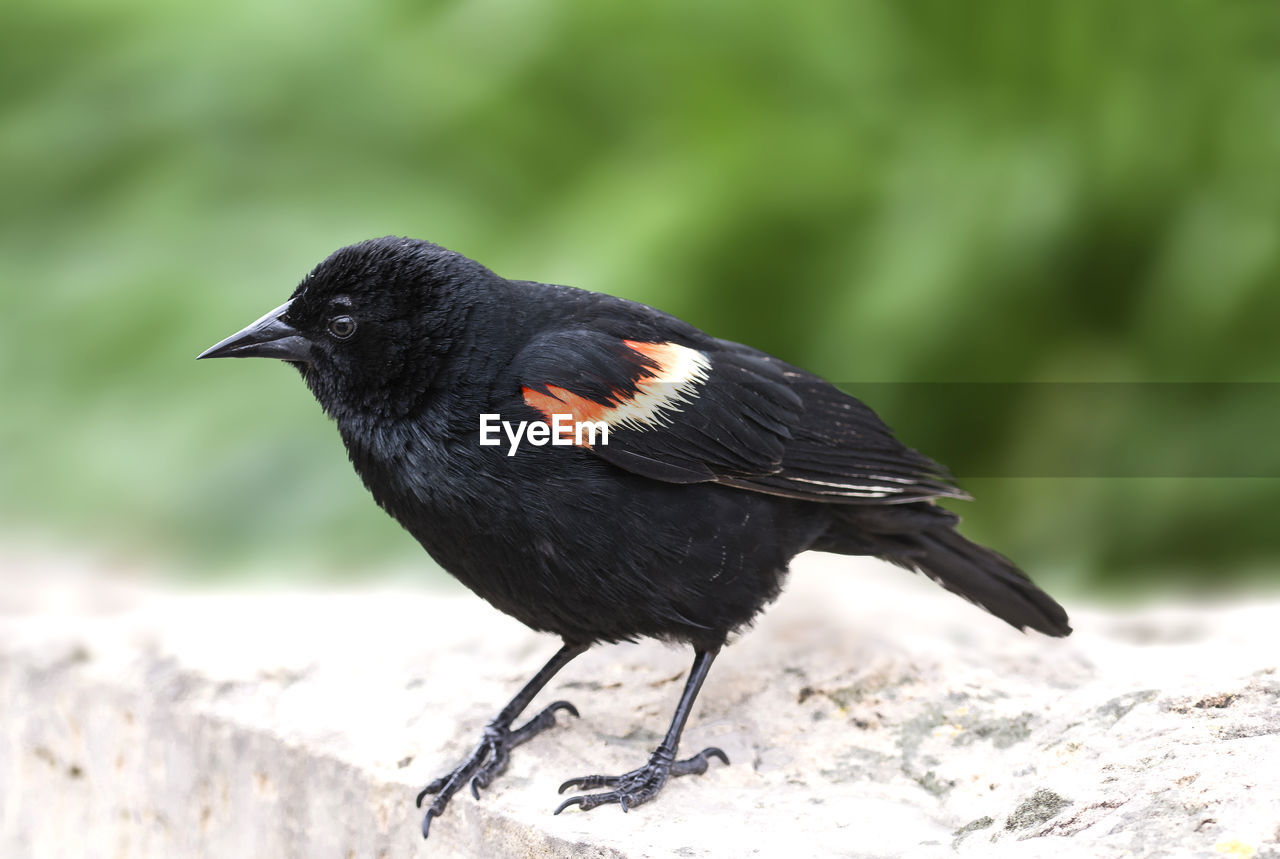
868	714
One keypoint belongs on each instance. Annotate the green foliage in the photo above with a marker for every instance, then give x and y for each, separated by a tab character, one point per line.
878	191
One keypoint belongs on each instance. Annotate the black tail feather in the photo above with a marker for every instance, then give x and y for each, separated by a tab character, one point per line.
922	537
986	579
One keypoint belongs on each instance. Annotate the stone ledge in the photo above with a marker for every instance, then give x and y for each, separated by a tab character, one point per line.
868	714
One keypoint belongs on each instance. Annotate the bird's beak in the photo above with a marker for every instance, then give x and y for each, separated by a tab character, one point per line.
269	337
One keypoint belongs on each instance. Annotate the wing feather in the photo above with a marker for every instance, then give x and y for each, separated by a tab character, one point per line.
693	411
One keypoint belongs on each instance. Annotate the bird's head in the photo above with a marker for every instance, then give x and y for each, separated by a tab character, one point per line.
370	328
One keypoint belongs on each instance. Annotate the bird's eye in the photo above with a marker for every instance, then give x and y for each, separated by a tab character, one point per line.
342	327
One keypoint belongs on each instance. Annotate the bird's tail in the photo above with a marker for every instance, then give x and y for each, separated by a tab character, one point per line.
928	542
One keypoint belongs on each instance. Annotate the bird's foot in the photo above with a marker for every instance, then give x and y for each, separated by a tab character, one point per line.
638	786
487	761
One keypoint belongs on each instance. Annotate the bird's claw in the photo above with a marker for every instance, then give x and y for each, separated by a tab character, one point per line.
487	760
638	786
433	787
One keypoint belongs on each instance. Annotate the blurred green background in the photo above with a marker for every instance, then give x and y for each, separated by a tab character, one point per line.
882	192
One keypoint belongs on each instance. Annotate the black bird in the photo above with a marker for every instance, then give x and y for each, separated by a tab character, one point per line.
720	464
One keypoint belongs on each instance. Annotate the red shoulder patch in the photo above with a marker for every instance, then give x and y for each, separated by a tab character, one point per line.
558	401
664	388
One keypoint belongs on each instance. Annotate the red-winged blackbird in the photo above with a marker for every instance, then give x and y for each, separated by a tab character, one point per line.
720	464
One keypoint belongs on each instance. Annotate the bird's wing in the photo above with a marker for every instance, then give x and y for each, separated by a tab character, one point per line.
714	411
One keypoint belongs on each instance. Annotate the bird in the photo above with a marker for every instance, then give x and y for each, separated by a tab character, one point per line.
605	472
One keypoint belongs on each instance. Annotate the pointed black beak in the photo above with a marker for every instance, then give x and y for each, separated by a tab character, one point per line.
269	337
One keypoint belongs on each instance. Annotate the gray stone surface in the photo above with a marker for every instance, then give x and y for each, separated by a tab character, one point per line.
868	714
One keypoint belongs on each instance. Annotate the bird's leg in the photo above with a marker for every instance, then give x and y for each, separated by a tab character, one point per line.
642	785
489	758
